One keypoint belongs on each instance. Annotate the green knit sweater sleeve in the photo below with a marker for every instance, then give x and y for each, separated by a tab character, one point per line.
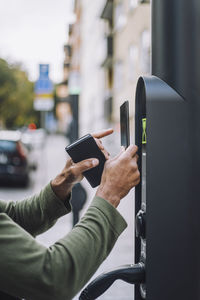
37	213
31	271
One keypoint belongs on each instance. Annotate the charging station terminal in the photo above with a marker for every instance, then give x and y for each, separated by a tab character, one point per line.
159	109
167	126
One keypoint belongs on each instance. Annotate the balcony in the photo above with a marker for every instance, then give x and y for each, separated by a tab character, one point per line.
107	12
107	63
108	108
66	65
68	50
144	1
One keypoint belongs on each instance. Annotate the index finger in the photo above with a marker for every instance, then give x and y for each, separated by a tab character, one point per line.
131	150
102	133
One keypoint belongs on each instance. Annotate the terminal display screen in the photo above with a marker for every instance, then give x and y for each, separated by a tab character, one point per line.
124	124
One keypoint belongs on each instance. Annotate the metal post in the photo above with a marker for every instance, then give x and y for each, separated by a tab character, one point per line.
42	119
176	60
74	100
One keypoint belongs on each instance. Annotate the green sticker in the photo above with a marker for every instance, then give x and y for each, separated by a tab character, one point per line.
144	134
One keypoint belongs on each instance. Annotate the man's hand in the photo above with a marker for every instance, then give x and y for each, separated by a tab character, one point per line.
99	135
120	175
72	172
70	175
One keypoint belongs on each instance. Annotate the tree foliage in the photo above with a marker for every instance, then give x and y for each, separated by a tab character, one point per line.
16	97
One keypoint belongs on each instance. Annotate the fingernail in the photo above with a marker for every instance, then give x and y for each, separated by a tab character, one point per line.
95	162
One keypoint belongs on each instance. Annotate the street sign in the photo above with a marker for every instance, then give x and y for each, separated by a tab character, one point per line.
43	100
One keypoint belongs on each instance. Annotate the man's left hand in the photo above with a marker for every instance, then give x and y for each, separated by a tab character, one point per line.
63	183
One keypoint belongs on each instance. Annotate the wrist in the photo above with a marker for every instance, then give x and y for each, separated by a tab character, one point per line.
107	195
61	188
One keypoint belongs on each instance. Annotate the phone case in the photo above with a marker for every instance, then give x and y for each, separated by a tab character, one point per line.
85	148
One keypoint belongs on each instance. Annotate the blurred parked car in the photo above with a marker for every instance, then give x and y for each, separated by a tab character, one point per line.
34	139
15	164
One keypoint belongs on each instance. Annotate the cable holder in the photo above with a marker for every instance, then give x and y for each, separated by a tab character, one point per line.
133	274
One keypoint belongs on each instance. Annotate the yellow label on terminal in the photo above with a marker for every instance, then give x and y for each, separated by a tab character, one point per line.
144	134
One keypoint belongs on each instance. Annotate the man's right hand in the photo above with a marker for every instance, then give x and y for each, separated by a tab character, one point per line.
120	175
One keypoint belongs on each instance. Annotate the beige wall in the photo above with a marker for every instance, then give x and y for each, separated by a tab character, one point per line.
135	21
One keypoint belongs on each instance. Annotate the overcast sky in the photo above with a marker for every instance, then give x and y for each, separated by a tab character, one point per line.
34	32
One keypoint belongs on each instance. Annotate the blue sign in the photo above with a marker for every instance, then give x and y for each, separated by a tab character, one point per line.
43	90
43	85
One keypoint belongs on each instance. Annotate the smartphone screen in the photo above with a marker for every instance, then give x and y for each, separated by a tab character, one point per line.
124	124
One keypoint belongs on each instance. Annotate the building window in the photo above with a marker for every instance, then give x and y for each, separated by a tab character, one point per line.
118	75
133	4
145	52
119	16
144	1
133	62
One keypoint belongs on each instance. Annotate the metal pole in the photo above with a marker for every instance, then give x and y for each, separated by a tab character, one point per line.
176	60
42	119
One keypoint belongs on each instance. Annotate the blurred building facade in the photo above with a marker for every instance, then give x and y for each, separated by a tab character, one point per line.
68	91
107	50
131	57
63	109
92	75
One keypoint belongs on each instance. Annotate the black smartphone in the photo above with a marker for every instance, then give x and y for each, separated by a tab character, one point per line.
85	148
124	124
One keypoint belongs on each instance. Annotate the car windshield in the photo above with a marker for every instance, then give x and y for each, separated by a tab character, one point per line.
8	146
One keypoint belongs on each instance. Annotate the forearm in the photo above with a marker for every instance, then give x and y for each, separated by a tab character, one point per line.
90	242
37	213
59	272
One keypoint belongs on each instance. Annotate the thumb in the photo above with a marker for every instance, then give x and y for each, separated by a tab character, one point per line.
84	165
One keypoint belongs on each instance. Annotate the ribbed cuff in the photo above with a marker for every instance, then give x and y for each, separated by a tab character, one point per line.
63	207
